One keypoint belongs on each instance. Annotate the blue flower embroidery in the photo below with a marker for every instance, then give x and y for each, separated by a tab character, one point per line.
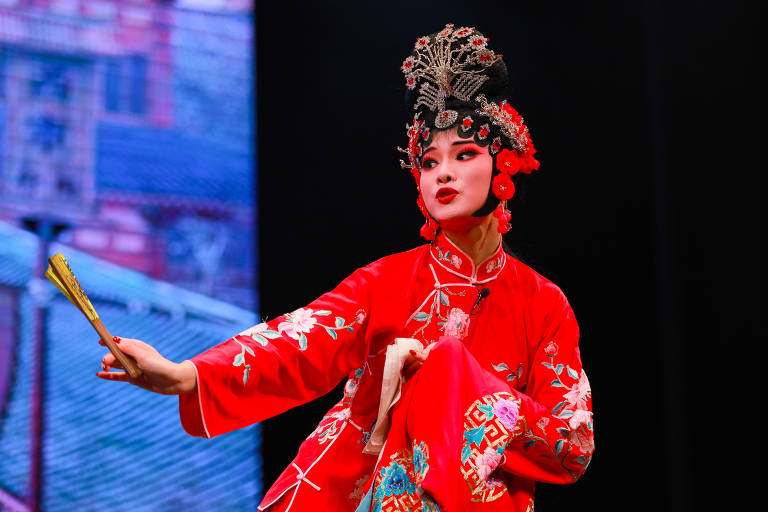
395	481
420	465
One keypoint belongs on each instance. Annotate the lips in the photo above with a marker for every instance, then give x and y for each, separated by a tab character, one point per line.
446	195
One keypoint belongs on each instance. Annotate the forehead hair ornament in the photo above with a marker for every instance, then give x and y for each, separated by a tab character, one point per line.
450	76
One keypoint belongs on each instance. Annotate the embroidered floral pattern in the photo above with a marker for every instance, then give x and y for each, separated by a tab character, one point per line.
457	323
329	427
446	256
398	484
357	494
489	425
502	367
574	409
441	298
494	264
261	334
297	324
240	360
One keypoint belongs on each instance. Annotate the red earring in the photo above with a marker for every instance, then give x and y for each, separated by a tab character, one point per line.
503	216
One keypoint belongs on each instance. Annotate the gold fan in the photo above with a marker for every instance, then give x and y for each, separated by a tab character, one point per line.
60	274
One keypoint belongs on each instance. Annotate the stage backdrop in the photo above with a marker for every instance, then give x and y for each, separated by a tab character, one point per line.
126	144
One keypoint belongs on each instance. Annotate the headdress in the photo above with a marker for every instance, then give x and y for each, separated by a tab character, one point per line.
454	80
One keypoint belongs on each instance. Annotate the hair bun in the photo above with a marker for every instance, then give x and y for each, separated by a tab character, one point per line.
449	68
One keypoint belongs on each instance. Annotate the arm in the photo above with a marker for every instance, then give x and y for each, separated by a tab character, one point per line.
280	364
556	442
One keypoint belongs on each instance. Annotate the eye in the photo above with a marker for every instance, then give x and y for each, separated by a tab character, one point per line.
467	154
428	163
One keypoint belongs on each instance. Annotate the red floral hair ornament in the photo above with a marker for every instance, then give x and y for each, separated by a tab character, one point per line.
450	75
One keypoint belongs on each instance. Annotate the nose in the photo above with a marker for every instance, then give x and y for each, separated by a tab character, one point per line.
445	175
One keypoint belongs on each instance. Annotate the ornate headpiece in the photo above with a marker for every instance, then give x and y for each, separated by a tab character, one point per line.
450	76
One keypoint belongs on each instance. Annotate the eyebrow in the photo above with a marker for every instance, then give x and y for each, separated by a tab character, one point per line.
455	143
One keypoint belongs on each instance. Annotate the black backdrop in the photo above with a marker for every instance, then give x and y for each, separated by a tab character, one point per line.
642	114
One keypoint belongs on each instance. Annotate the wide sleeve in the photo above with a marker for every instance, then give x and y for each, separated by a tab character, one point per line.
280	364
555	441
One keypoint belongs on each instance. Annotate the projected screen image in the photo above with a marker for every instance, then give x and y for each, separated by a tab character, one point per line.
126	145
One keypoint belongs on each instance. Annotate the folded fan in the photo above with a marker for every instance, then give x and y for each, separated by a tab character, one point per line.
61	275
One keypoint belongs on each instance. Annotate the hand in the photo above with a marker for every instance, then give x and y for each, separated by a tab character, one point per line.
415	360
160	375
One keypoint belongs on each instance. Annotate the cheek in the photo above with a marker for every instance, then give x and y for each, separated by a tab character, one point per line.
479	179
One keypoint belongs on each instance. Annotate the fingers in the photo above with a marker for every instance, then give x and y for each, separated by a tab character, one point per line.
110	361
114	338
410	368
115	376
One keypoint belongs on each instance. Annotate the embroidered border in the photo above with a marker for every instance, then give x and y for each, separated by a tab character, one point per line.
490	423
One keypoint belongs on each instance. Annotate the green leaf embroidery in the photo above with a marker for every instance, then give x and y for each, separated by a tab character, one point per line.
270	334
546	365
420	316
500	367
330	332
466	451
302	342
487	409
322	312
339	321
559	407
249	350
559	369
246	372
572	373
556	383
444	299
559	446
239	359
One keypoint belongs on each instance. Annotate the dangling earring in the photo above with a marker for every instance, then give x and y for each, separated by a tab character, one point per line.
427	231
503	216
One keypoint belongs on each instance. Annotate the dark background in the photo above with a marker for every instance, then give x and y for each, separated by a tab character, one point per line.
644	211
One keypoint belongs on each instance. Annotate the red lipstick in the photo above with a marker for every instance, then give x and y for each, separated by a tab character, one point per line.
445	195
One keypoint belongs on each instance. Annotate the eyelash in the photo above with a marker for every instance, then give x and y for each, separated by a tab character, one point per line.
472	151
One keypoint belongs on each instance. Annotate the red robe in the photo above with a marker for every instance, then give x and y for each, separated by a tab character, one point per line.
501	402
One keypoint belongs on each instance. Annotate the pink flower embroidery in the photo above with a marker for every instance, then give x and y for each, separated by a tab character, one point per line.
256	329
494	479
456	261
543	422
551	349
360	317
486	462
581	433
457	323
578	394
507	412
298	322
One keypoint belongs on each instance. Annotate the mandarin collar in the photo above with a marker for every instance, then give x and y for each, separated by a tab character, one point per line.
454	260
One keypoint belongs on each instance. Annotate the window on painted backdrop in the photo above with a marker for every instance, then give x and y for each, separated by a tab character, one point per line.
125	85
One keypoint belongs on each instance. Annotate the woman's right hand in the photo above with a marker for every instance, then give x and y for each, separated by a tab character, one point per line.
159	374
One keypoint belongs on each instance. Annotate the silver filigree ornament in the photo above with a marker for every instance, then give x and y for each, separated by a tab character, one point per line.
510	125
450	64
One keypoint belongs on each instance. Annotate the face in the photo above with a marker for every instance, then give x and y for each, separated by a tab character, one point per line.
455	178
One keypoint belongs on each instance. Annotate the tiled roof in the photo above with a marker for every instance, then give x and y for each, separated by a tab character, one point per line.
110	446
155	162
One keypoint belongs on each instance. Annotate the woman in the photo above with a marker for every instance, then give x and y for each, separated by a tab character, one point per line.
492	396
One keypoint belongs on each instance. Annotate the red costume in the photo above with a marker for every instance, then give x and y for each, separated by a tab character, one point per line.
501	401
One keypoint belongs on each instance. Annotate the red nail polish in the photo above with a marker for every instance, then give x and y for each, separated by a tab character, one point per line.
115	339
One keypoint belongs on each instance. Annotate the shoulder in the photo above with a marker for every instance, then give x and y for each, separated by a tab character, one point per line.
398	261
536	289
